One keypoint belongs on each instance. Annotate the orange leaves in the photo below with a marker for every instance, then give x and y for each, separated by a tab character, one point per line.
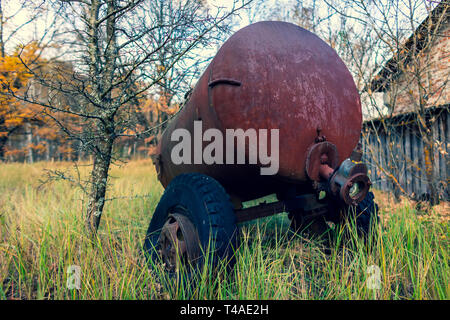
172	110
15	72
160	104
17	116
13	153
15	69
163	104
65	150
150	139
39	148
48	132
13	121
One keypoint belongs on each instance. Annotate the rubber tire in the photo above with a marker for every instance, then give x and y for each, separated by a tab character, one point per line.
208	207
315	228
366	211
366	215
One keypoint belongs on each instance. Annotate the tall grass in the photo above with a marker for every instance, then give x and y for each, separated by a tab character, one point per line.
42	234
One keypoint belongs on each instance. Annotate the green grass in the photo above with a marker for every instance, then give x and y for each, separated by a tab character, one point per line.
42	234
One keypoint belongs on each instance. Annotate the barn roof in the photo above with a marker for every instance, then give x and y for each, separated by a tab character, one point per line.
390	71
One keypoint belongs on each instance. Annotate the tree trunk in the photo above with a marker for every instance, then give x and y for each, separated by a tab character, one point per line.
429	171
47	151
3	141
425	129
99	180
29	137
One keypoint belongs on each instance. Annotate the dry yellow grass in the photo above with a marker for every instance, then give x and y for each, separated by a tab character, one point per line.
42	234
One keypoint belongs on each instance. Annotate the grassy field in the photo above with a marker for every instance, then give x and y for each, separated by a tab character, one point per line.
41	235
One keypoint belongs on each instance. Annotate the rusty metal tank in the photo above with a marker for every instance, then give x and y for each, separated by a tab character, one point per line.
270	75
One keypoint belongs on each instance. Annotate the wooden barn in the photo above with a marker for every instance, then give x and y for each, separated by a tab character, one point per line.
408	147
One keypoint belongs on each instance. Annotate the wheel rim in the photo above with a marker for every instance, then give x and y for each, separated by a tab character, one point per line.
178	242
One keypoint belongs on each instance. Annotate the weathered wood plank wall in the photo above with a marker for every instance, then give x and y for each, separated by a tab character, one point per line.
399	151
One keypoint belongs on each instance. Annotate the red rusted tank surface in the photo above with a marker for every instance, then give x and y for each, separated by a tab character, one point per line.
270	75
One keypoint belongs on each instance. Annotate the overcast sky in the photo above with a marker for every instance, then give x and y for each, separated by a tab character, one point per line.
275	8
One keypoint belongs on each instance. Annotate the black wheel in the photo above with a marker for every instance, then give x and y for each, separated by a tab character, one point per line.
194	214
316	227
363	217
366	215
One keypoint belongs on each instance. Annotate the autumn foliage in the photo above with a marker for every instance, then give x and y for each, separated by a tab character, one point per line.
26	129
15	74
29	132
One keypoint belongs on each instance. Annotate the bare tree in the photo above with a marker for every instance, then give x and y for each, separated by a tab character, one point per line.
120	51
10	26
399	60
